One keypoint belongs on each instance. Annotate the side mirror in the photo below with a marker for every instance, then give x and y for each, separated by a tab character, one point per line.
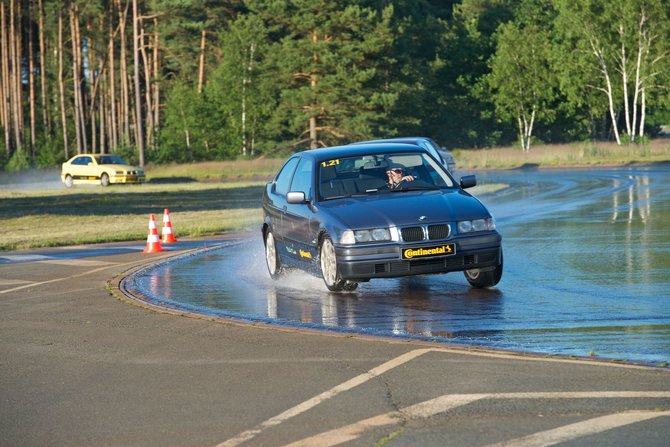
296	197
468	181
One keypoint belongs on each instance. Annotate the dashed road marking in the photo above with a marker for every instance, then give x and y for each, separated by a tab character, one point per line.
449	401
421	410
314	401
581	429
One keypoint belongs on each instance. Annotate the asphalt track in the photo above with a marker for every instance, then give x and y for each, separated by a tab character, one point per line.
83	364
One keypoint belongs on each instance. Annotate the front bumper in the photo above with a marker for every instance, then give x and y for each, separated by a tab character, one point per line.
385	261
127	178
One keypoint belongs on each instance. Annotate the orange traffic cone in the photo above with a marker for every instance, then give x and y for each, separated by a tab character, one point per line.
153	243
167	236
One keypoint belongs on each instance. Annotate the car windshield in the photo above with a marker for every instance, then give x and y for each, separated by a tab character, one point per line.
111	160
367	174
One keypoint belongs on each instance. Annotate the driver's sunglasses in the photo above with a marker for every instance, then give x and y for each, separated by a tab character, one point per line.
396	171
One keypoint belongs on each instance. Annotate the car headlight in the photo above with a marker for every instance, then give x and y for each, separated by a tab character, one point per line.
358	236
468	226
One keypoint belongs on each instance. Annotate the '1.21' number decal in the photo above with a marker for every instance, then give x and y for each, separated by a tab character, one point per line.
325	164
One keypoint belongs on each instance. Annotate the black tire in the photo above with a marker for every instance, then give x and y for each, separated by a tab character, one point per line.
329	272
275	269
104	179
68	181
482	280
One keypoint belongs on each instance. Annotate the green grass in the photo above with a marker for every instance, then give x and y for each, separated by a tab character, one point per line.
82	215
568	155
260	168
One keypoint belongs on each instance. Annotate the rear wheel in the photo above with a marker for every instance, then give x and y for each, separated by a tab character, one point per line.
104	179
331	276
272	257
489	278
68	181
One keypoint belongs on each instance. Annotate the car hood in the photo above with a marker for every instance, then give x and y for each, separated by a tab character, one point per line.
404	208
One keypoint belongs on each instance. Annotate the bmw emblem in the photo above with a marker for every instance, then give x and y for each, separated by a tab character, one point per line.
422	218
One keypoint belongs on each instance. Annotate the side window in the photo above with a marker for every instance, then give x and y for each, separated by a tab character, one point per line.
284	178
83	161
302	180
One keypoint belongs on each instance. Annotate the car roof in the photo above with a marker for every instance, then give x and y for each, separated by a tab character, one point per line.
410	140
354	150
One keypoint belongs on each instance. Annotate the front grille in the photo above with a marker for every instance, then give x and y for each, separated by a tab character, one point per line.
415	234
412	234
438	231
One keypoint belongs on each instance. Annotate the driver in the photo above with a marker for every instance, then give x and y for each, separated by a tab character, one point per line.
396	175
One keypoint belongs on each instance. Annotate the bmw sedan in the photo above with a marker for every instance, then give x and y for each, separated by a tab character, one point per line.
358	212
99	169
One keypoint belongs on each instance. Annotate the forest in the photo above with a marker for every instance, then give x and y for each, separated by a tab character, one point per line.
178	81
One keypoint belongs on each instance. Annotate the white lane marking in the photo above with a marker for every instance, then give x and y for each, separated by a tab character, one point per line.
65	278
316	400
13	282
421	410
449	401
581	429
76	262
88	272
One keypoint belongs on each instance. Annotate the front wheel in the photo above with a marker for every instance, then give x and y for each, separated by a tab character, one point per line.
331	276
68	181
490	278
272	257
104	179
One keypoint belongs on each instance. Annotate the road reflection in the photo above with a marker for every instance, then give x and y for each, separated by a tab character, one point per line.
587	255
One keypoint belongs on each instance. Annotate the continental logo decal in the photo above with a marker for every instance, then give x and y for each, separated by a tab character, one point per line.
425	252
305	254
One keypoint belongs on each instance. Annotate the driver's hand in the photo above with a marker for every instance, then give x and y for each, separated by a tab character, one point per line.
407	178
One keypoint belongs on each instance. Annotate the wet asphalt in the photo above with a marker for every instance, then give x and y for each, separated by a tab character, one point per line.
587	255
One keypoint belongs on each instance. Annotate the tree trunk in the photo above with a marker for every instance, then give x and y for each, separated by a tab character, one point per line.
313	137
643	112
124	106
4	81
112	91
156	101
31	84
623	62
201	65
46	121
147	88
246	80
608	90
15	75
75	77
138	94
61	85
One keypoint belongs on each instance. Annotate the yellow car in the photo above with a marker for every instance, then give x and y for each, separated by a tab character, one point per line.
100	169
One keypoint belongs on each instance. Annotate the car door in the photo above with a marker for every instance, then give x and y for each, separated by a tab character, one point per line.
277	205
298	218
80	167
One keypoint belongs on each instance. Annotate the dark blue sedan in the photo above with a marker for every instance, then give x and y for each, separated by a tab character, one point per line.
354	213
